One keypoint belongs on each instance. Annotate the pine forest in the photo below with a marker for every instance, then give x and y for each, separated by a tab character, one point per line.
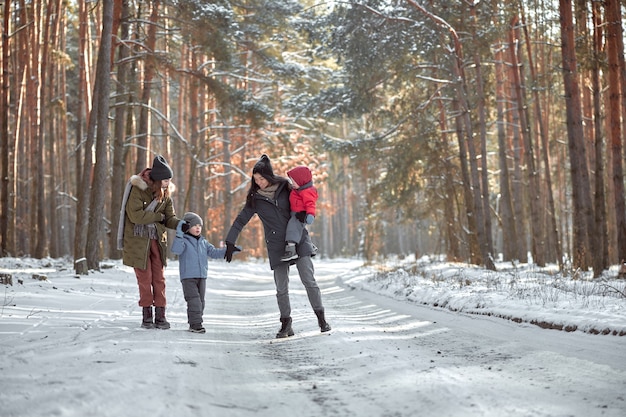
476	130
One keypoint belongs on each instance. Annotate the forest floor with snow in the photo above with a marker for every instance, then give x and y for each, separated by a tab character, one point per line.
522	293
410	337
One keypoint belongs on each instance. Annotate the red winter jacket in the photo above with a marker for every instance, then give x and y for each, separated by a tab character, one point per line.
305	197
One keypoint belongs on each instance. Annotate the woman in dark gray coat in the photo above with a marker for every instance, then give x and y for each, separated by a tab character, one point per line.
268	198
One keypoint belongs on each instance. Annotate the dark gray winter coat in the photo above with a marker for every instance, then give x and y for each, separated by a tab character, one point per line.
274	214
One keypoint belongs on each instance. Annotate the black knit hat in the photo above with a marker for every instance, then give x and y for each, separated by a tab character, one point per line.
192	218
264	167
160	169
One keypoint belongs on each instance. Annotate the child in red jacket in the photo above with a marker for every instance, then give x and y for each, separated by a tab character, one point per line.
303	199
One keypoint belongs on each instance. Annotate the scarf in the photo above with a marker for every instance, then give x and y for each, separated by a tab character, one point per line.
139	229
120	225
147	230
268	191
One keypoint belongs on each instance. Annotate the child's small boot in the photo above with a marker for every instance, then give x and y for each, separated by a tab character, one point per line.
160	321
197	328
147	322
290	252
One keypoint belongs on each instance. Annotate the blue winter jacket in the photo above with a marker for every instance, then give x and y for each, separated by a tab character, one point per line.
193	254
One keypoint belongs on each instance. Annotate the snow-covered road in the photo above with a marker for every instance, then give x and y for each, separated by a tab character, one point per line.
74	348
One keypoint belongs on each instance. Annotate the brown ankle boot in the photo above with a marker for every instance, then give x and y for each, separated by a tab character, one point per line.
160	322
147	322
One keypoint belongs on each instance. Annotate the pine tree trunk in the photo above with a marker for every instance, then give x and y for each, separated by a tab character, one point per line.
50	127
533	190
453	250
118	180
509	224
65	215
100	176
578	161
5	202
83	163
601	261
40	66
617	133
482	124
148	73
552	232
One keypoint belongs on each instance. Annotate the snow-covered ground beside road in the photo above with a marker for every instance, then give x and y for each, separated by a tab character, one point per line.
409	338
522	293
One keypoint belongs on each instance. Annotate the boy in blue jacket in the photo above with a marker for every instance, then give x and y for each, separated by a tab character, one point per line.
193	252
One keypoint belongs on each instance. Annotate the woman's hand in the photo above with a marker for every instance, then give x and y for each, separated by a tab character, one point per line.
231	248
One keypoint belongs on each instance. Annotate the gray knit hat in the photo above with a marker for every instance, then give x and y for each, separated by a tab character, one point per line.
192	218
160	169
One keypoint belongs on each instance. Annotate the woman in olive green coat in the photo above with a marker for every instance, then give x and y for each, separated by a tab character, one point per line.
147	211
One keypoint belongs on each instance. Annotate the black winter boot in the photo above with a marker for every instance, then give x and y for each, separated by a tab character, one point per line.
160	322
285	329
321	320
147	322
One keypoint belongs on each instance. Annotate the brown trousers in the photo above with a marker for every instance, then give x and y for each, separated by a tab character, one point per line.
151	280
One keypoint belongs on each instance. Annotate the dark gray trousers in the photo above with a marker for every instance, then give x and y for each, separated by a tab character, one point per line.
194	289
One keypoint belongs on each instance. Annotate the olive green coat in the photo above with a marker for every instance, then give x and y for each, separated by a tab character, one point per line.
136	248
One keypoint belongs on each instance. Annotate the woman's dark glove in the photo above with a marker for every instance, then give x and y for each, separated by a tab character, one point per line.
301	215
184	227
230	249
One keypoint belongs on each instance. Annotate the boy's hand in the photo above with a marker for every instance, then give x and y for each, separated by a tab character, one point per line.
180	228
